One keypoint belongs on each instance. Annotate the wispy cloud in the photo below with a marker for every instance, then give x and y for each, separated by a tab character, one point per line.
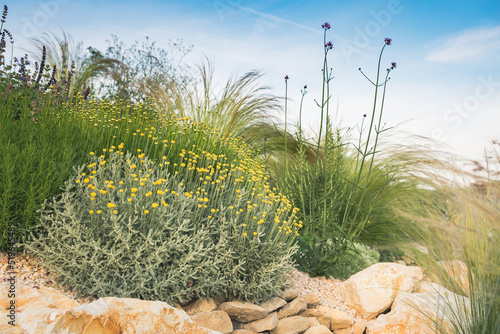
469	45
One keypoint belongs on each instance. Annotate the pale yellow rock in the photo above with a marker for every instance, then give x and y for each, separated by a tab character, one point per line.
311	300
215	320
406	312
200	306
322	315
292	325
243	311
273	304
372	291
243	331
313	321
266	324
457	270
293	308
289	294
45	311
338	319
318	330
359	327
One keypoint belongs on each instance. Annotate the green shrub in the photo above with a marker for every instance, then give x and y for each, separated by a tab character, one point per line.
125	226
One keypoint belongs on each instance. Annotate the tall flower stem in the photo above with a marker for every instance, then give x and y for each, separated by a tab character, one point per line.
365	152
286	121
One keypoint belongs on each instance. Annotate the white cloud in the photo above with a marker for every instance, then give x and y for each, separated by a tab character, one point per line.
469	45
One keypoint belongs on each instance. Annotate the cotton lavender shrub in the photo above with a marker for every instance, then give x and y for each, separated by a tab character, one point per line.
125	226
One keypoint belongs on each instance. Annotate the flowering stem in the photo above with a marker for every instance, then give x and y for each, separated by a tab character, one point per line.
365	152
286	114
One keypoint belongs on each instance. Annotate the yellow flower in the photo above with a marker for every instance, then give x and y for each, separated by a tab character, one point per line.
154	205
99	211
129	199
86	180
77	181
138	150
94	172
83	174
133	166
213	210
134	190
103	162
244	234
254	233
146	211
115	212
159	192
111	205
102	191
91	211
92	153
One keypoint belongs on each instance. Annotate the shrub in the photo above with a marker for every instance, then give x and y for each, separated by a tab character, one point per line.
126	226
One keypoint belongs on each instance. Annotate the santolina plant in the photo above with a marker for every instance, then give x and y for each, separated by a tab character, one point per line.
126	226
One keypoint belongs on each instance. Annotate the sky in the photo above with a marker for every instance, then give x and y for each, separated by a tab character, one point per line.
446	85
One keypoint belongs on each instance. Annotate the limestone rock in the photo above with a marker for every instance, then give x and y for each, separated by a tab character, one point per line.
338	319
214	320
372	291
313	321
243	312
318	330
200	306
457	270
243	331
311	300
273	304
292	325
266	324
406	312
289	294
359	327
293	308
44	311
319	313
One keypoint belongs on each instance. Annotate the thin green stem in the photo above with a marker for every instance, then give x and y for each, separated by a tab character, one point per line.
364	155
286	121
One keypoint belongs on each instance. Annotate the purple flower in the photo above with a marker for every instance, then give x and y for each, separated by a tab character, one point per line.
364	115
326	26
305	87
393	65
388	41
329	45
286	77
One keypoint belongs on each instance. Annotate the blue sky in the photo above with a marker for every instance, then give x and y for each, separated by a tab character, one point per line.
446	85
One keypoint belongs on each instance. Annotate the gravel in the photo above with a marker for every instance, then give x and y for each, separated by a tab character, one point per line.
37	276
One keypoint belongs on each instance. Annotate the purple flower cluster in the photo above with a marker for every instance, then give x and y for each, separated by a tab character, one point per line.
393	65
329	45
326	26
388	41
286	77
